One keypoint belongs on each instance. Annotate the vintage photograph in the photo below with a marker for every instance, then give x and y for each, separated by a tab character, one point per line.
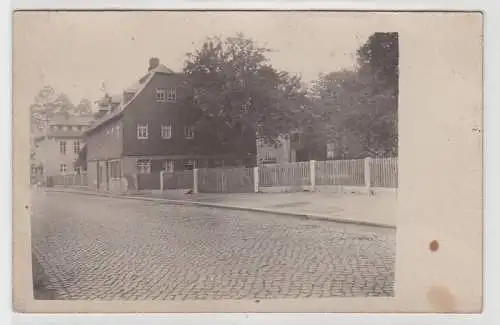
171	161
234	161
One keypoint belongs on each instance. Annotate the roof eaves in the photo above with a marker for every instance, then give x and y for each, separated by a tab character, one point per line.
119	110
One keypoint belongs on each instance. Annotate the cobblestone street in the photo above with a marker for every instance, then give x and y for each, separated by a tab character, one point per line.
102	248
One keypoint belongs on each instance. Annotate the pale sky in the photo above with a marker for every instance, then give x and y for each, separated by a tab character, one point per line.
75	52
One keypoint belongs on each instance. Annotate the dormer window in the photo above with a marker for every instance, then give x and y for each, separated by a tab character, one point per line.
171	95
160	95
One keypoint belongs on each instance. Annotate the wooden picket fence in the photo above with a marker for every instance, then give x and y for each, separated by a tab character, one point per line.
289	174
178	180
340	172
384	172
225	180
73	180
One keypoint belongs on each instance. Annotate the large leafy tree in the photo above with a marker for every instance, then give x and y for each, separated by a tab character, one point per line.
46	104
237	89
357	109
379	56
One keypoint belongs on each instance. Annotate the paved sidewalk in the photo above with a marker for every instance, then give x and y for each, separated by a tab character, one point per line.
378	210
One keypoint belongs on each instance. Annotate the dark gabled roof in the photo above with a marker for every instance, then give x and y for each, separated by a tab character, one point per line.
83	120
137	88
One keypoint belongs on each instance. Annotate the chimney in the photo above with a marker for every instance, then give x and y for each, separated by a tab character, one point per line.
153	63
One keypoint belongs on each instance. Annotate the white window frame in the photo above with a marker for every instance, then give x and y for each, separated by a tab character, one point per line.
188	162
166	131
169	166
63	169
189	132
143	166
171	94
268	155
330	150
142	131
76	145
63	144
161	95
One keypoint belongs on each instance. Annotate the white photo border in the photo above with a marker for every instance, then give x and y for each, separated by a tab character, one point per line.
491	185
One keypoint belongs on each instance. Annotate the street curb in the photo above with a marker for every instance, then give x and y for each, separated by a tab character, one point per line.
305	216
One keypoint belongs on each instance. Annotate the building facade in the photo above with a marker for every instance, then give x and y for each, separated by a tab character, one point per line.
56	149
153	130
279	153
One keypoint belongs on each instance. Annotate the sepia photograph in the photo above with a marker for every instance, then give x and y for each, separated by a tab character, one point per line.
204	156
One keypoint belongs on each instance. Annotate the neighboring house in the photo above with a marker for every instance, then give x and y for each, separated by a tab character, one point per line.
278	153
306	148
55	150
148	131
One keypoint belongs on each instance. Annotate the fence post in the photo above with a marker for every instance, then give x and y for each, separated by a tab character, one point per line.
368	173
161	180
312	174
256	179
195	180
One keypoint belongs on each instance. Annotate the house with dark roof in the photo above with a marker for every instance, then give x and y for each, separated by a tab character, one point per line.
56	148
149	129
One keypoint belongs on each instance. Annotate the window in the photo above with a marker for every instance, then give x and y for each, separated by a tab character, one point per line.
330	151
77	170
76	146
189	132
160	95
142	131
63	168
269	156
189	164
144	166
245	108
168	166
166	131
114	167
62	147
171	95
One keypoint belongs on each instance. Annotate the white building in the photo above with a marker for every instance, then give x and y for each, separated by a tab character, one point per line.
57	148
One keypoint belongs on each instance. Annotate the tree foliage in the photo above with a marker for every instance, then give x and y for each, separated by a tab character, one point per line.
47	103
357	109
84	107
236	87
379	56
